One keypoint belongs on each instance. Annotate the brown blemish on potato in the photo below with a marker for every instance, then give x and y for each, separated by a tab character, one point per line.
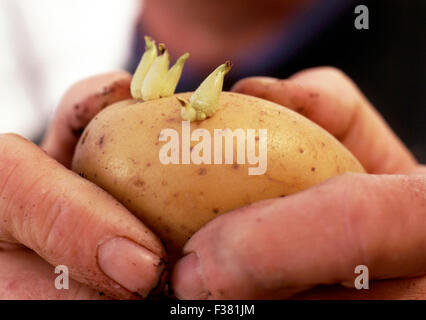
148	164
141	122
171	119
312	169
202	171
139	183
256	138
235	166
215	210
301	150
282	196
175	195
101	140
273	179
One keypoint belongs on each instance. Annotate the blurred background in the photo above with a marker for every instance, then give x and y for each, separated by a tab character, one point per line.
47	45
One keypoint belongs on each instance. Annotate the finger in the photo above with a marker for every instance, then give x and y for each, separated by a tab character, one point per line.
70	221
79	105
331	99
25	276
7	246
421	169
285	246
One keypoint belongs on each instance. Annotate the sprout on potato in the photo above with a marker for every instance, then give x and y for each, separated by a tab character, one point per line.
144	65
153	80
205	100
173	76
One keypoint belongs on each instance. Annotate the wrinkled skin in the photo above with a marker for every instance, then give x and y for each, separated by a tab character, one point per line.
281	248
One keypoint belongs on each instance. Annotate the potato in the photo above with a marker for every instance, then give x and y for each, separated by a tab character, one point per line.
119	151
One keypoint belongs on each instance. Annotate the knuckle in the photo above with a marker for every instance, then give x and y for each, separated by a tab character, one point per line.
332	71
54	227
360	205
8	140
50	220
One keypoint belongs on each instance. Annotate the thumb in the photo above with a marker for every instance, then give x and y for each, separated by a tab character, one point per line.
69	221
284	246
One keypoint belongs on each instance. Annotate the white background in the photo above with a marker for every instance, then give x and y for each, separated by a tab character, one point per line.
46	45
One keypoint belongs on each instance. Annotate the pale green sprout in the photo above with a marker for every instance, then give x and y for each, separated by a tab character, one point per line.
172	77
154	80
142	70
205	100
188	112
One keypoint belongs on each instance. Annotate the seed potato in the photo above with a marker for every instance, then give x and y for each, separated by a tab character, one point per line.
119	151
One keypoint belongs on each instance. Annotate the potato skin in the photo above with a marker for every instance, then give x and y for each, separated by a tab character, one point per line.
119	151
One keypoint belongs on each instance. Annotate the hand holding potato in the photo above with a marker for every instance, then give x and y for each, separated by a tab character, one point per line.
279	248
50	216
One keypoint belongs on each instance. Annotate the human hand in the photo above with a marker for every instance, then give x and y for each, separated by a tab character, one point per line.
282	247
50	216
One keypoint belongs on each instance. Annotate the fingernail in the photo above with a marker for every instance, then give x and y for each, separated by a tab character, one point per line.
187	281
132	266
